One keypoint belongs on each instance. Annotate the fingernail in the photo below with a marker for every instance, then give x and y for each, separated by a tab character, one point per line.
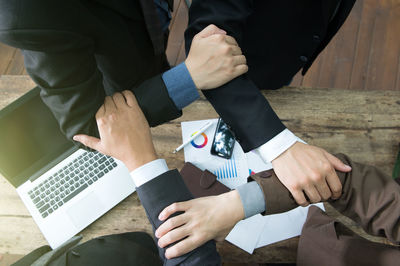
348	166
76	138
161	217
156	234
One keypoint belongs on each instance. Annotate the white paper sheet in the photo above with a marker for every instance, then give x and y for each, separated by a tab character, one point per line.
246	233
278	227
232	172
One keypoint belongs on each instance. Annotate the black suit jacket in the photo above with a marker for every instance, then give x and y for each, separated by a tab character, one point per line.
278	38
133	248
78	51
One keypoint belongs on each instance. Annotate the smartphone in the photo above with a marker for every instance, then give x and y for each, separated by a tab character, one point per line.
224	141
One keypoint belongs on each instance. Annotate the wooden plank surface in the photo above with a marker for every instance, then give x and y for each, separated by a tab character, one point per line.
385	52
362	124
364	54
6	55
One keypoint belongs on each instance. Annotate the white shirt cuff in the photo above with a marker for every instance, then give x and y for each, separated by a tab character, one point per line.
277	145
147	172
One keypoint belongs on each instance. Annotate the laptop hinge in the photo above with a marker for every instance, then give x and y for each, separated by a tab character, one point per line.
53	163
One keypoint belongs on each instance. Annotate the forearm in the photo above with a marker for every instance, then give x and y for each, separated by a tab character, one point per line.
233	206
125	135
369	197
155	102
230	16
180	86
156	193
243	107
62	64
71	86
239	102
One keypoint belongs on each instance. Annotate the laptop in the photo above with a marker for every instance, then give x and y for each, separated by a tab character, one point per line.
64	188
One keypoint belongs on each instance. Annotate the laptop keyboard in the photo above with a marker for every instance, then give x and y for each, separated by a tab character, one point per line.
69	181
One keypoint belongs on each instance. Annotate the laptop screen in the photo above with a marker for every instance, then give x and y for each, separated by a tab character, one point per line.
30	138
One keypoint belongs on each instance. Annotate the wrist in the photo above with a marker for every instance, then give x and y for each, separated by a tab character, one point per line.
288	152
133	163
276	146
234	204
192	71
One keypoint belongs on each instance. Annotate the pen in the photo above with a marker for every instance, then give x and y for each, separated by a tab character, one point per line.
198	132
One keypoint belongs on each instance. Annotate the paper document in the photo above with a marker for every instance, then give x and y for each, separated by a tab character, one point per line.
232	172
278	227
246	233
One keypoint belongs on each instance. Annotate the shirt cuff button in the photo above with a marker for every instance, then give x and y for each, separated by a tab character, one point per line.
303	59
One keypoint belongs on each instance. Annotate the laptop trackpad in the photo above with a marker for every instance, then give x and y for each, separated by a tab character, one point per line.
86	210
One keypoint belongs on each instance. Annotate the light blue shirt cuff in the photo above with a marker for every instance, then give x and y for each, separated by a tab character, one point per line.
252	198
180	86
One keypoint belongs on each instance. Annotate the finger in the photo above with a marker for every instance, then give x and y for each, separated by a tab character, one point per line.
91	142
101	111
171	209
235	50
231	40
109	104
170	224
323	190
240	70
299	197
239	60
337	164
335	185
312	194
173	236
130	98
210	30
119	100
183	247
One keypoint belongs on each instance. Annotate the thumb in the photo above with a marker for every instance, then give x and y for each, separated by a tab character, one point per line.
210	30
337	164
91	142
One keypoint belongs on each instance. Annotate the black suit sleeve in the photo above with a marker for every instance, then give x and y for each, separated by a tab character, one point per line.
64	67
239	102
159	193
60	58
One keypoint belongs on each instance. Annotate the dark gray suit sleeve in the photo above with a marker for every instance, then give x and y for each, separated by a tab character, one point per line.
159	193
239	102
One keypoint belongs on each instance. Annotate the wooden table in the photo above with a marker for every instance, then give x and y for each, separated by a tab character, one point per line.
362	124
